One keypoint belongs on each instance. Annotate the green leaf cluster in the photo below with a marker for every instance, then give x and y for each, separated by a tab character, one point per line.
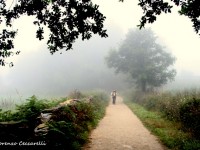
68	127
153	8
190	116
169	132
182	107
66	21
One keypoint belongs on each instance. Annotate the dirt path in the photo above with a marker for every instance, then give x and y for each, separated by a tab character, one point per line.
120	129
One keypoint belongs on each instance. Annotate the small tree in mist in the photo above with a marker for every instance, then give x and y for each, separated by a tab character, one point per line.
143	59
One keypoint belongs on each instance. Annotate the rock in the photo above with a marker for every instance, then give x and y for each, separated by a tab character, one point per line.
45	117
41	129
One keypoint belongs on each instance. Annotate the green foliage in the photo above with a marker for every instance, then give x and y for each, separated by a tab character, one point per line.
68	127
182	107
27	111
143	59
6	115
99	99
19	125
151	9
61	135
74	122
168	131
31	109
75	95
54	102
66	21
22	121
190	116
165	103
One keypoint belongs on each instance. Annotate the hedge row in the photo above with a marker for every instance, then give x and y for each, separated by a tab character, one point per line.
68	127
183	107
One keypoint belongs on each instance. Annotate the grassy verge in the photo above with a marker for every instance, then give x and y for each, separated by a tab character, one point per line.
169	132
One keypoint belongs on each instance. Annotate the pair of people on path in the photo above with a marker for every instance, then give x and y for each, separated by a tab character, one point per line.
114	95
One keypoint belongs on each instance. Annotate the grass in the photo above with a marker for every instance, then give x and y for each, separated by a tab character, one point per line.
7	104
169	132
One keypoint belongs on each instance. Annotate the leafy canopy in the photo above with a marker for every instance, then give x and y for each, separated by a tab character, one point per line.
65	19
153	8
141	57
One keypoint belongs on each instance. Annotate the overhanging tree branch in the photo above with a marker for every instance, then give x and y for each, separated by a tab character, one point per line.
66	20
153	8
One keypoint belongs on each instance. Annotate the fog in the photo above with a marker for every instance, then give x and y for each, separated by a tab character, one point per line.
38	72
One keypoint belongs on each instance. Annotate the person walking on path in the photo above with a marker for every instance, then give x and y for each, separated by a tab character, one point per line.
114	95
120	129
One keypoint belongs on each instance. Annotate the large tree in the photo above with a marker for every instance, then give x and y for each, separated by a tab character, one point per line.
146	61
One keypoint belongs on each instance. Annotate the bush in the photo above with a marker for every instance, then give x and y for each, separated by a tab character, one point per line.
6	115
182	107
190	116
19	124
75	95
68	127
171	108
31	109
71	125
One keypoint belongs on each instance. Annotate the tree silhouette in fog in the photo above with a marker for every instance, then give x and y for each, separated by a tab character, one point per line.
141	57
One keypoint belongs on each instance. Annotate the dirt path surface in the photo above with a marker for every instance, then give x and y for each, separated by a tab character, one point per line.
120	129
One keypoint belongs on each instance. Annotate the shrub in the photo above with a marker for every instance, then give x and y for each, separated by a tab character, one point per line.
6	115
182	107
190	116
75	95
61	135
171	109
29	111
73	123
68	127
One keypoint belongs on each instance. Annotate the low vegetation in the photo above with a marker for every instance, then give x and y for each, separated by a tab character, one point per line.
68	127
173	116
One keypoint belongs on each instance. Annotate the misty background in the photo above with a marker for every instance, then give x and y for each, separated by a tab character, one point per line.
38	72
